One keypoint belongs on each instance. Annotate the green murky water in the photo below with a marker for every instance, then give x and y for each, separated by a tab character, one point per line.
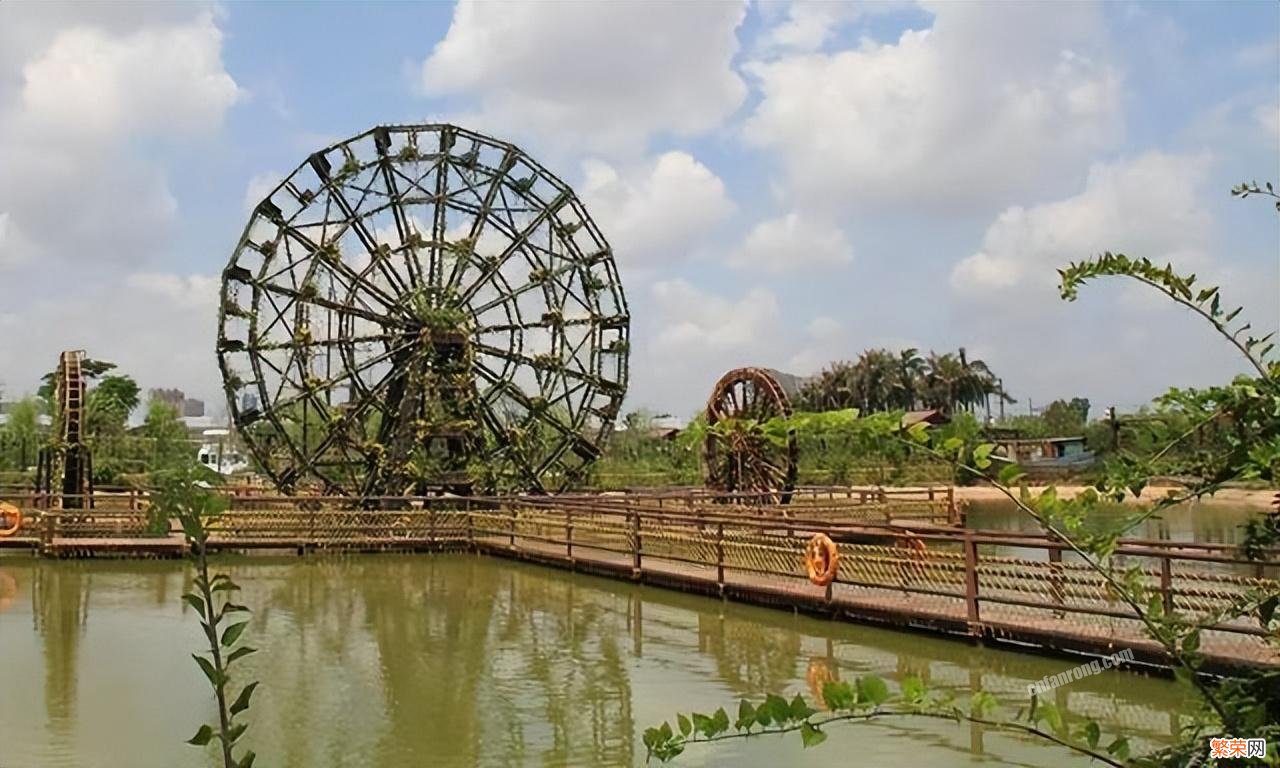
456	660
1210	523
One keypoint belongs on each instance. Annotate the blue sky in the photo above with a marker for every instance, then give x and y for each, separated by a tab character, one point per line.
783	184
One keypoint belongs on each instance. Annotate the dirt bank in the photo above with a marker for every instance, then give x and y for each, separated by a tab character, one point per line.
1233	497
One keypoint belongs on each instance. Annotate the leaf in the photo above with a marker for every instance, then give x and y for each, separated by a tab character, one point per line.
195	601
1010	474
232	634
982	455
1051	716
913	689
247	760
1267	609
239	653
778	708
1119	748
838	695
224	586
202	737
800	710
242	701
207	668
1191	643
811	735
703	724
1092	733
982	703
746	715
236	731
872	690
685	726
720	721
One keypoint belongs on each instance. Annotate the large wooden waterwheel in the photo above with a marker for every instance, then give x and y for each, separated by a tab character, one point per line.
422	308
749	454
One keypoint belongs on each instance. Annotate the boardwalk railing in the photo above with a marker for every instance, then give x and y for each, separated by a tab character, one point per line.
987	585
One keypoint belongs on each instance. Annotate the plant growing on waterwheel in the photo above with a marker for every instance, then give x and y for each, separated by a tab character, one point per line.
749	451
406	301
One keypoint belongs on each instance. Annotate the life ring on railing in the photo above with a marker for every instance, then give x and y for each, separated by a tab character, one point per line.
9	512
821	559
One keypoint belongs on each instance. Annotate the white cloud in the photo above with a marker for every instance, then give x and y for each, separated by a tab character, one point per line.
607	74
810	24
823	327
696	320
790	241
656	213
157	327
156	80
991	101
1145	207
86	93
693	336
195	291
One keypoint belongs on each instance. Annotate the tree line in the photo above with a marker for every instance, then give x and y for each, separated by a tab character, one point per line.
885	380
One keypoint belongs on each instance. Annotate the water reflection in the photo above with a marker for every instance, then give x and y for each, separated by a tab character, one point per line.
460	660
1201	523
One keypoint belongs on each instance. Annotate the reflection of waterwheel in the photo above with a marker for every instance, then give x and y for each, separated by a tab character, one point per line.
422	308
750	450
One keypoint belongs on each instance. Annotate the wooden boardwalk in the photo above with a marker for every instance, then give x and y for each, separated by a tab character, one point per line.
999	625
1014	590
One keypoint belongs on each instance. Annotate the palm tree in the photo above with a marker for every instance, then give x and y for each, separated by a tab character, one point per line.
908	378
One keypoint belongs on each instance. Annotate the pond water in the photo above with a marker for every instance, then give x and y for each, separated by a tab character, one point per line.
1206	523
459	660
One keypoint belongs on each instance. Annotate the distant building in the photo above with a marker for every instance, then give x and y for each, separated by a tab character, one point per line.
192	407
1047	452
174	398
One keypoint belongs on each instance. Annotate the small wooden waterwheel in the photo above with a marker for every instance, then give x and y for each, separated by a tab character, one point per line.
749	453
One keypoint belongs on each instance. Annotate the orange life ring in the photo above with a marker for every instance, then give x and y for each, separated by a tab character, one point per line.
821	559
10	512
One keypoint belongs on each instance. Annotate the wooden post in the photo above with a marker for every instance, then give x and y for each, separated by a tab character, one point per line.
568	534
1166	584
720	556
971	583
1055	579
471	534
46	529
636	545
511	538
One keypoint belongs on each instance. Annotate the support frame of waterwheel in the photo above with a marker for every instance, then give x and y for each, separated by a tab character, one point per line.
64	470
749	454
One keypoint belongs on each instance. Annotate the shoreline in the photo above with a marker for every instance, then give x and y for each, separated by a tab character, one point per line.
1246	498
